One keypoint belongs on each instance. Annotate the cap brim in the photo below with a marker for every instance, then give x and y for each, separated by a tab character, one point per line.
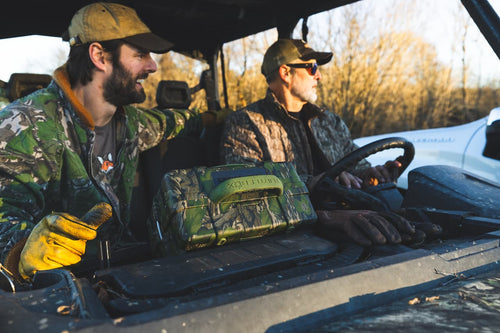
150	42
321	57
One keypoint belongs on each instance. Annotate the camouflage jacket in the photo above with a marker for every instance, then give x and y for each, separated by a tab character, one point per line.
265	131
46	160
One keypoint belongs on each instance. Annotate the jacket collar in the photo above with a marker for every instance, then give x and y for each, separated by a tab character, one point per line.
311	110
62	80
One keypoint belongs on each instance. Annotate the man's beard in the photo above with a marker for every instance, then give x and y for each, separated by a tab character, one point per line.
120	88
307	95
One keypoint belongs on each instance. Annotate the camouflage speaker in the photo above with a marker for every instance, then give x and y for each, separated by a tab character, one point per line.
210	206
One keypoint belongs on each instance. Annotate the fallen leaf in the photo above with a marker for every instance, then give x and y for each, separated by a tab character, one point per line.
414	301
64	310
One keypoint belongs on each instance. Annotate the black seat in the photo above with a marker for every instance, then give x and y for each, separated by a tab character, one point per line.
182	152
22	84
172	94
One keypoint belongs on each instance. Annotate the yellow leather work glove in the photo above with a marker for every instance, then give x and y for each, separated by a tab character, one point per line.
214	118
59	240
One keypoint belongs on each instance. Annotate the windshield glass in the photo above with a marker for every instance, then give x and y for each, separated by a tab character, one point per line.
398	65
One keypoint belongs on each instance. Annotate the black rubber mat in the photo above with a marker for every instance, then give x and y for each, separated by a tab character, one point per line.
174	276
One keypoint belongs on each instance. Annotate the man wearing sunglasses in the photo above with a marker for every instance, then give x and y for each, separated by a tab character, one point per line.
287	126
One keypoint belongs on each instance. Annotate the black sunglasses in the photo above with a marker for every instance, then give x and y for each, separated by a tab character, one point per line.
311	67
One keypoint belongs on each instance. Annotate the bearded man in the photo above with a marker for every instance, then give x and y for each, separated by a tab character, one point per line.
76	143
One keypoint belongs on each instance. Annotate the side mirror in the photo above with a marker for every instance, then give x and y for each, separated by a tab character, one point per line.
492	147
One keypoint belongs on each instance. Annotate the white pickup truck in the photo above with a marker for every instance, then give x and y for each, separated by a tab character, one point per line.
474	147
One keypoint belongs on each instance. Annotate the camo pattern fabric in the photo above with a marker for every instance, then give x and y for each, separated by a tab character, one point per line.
265	131
4	101
46	162
186	218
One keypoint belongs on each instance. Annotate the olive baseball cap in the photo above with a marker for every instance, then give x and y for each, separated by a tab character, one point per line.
283	51
102	21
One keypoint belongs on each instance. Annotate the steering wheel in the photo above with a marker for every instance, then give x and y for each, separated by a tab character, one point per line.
326	183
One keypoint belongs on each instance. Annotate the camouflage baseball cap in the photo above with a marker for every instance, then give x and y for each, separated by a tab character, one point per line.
102	21
284	51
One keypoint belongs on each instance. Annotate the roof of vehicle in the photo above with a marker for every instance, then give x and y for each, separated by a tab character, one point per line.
204	25
189	24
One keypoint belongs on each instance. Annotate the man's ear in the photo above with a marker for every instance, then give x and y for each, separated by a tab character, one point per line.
97	56
284	73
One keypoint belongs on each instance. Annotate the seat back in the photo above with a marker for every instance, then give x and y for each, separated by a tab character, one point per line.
173	94
182	152
22	84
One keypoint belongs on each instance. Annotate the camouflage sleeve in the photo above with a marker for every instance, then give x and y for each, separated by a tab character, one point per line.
239	142
183	122
350	147
156	125
348	144
25	166
15	223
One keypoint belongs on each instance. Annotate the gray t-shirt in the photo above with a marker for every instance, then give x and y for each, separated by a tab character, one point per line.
105	147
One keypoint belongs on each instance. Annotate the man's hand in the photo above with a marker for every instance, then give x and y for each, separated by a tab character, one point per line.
381	173
349	180
345	178
59	240
366	227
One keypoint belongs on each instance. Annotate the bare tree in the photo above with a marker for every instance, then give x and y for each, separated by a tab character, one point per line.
384	76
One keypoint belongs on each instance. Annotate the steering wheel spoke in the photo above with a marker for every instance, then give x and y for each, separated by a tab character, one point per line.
327	190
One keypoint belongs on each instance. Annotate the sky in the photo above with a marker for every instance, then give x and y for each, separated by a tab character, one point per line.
40	54
32	54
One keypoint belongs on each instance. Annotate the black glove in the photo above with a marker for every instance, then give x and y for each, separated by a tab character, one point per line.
365	227
423	230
